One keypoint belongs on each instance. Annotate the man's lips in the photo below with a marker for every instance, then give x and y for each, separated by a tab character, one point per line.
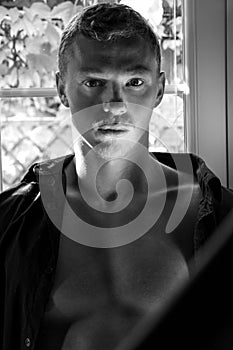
113	127
111	130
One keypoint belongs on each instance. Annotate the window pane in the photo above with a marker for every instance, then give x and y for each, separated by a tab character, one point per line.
171	41
167	125
30	134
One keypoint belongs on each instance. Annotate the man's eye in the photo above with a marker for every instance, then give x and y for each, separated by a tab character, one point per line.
135	82
93	83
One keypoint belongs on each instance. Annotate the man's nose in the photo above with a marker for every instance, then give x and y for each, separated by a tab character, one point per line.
113	100
115	108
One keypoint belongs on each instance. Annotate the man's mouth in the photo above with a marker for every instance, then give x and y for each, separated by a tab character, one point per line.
115	129
111	131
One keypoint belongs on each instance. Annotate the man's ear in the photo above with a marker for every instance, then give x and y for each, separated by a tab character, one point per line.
161	87
61	89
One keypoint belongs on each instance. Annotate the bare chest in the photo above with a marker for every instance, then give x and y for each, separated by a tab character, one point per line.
99	294
88	277
108	290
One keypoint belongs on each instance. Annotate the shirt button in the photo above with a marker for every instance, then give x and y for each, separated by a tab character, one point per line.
27	342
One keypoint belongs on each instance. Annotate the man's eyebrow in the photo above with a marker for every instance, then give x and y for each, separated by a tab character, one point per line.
138	69
90	70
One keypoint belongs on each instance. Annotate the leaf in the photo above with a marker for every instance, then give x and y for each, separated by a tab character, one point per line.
16	26
152	10
14	14
3	83
33	44
65	11
16	3
38	9
3	55
3	69
51	3
52	35
47	62
41	63
27	25
169	44
3	12
45	48
25	78
170	3
39	25
11	78
36	79
19	46
59	10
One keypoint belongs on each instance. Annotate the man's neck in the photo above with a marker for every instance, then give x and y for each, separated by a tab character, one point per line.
103	181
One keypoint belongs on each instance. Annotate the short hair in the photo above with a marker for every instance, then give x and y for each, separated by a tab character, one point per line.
106	22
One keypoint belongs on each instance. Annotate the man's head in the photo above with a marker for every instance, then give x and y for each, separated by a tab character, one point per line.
105	23
109	75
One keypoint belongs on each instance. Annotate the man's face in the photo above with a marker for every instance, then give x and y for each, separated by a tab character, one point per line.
111	89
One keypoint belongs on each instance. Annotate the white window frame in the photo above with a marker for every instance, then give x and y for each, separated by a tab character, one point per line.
205	74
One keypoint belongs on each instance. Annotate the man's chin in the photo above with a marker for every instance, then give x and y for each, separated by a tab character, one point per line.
113	146
113	149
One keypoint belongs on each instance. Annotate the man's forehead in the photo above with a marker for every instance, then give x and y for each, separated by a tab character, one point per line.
132	42
132	54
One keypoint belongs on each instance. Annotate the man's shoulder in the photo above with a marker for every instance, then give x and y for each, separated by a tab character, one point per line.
16	201
183	161
195	166
31	176
216	199
46	167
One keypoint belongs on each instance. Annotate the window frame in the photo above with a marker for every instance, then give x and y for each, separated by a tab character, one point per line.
206	100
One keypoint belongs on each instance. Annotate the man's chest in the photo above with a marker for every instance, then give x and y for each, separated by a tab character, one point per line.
99	289
103	289
139	273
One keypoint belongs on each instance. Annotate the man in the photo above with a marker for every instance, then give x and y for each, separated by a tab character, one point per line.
87	243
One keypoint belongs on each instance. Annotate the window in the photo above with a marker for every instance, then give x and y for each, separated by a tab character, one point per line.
34	124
